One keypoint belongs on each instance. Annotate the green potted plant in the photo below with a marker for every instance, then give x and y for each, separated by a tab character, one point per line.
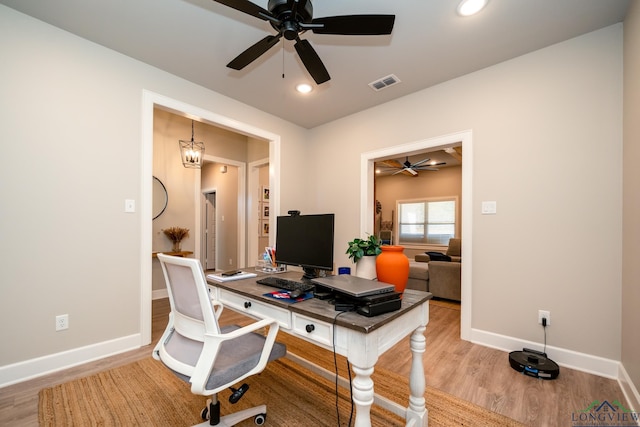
363	253
363	247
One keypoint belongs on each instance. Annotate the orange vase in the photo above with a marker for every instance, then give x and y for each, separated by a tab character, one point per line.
392	266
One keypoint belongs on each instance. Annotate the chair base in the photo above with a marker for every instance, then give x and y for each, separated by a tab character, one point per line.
236	417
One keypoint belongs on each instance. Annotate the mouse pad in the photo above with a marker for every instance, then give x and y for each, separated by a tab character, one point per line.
284	295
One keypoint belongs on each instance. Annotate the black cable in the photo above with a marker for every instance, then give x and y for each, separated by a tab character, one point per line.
350	392
335	364
544	328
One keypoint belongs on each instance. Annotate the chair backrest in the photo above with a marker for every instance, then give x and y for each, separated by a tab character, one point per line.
193	313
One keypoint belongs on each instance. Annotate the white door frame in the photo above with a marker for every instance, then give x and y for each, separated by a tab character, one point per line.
367	171
149	101
205	253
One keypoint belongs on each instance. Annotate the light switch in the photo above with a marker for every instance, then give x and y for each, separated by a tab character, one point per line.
129	205
489	208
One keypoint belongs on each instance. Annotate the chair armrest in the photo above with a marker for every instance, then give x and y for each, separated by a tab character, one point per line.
217	308
212	344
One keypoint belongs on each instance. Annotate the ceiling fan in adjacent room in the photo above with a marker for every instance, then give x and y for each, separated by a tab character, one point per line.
409	168
290	18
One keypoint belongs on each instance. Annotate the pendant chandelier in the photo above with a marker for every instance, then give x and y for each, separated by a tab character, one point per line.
192	152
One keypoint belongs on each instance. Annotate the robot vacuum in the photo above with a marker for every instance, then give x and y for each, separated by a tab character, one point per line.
534	363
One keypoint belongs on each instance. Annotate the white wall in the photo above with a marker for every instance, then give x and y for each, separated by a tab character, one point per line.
71	130
547	147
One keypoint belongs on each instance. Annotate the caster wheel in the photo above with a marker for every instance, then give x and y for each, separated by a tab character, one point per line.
205	413
260	419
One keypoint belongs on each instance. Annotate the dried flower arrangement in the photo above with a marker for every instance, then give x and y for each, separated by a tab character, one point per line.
176	234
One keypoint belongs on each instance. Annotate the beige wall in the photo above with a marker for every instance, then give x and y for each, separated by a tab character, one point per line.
547	146
76	109
631	192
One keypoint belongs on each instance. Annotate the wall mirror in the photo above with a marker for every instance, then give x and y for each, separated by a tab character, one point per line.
160	198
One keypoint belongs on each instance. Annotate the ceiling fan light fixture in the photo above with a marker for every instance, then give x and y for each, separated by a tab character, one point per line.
471	7
304	88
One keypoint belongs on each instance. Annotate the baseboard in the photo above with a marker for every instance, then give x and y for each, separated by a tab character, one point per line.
159	294
29	369
629	389
568	358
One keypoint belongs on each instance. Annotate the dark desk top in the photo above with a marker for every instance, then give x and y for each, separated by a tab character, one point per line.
322	309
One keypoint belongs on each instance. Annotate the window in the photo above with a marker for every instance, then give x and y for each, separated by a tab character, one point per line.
428	221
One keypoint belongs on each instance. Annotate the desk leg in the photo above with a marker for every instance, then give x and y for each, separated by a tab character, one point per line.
362	395
417	414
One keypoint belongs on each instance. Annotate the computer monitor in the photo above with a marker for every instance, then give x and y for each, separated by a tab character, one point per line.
305	241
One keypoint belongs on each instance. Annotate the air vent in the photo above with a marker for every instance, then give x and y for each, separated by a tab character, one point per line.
384	82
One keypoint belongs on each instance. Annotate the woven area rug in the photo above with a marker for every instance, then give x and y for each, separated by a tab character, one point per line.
145	393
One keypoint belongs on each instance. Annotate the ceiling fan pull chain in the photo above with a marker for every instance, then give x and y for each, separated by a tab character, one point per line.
283	59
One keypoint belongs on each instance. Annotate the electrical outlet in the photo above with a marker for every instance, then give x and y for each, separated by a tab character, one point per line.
62	322
544	314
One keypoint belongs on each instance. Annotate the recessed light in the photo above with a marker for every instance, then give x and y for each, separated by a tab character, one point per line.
471	7
304	88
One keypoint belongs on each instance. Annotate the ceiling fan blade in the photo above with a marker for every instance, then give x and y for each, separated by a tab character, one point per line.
312	61
411	171
391	163
358	25
249	8
431	165
421	162
251	54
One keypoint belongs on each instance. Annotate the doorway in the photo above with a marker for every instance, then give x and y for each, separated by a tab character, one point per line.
151	100
367	202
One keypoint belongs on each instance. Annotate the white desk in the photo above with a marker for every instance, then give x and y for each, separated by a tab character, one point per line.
361	339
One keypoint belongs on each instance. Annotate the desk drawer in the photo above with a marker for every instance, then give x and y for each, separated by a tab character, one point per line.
313	329
255	308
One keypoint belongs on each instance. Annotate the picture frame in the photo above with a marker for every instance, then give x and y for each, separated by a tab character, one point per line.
264	228
264	210
264	193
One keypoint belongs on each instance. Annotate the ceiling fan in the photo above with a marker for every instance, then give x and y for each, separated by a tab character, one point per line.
409	168
290	18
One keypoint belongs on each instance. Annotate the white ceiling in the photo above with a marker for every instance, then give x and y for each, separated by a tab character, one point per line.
430	44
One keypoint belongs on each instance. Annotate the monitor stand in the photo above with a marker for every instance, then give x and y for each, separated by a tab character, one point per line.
309	273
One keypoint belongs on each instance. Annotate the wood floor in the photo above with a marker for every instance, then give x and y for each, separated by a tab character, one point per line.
474	373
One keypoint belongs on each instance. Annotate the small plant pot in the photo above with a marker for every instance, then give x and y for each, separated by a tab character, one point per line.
366	267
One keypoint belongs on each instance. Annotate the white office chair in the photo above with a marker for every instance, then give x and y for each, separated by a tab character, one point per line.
198	351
